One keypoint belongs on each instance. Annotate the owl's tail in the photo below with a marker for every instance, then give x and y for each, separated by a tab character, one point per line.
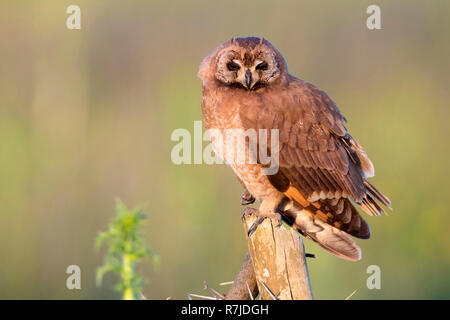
328	237
326	223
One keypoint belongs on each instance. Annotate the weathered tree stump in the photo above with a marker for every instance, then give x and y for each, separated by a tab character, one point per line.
278	258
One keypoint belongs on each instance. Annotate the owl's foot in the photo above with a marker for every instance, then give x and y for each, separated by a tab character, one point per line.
269	208
249	212
260	219
264	212
247	198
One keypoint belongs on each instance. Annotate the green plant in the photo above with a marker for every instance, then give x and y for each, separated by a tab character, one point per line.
126	248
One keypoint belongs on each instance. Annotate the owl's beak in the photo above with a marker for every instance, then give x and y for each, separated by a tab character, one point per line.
248	78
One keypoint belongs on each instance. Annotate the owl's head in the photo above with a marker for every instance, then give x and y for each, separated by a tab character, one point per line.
247	63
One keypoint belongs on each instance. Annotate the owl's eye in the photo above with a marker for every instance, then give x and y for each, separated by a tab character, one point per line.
262	66
233	66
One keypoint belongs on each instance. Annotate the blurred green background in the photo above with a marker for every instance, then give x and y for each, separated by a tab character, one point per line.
86	116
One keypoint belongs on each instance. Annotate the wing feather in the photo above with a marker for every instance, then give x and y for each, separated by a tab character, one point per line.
317	154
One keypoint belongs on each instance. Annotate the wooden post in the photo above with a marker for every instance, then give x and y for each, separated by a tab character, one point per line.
279	262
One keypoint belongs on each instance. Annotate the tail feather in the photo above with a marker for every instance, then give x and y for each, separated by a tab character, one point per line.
328	237
339	213
327	221
377	194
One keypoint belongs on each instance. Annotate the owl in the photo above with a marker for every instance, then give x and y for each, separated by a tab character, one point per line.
322	170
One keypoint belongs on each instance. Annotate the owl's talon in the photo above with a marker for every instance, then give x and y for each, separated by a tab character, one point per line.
247	198
244	213
279	214
255	225
279	223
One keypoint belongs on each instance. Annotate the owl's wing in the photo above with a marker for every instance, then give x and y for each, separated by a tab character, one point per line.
320	164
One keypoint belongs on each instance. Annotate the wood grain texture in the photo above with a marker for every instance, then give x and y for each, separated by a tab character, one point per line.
278	257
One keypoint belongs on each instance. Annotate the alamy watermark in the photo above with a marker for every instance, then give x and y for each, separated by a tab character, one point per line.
73	22
373	21
73	281
374	280
228	146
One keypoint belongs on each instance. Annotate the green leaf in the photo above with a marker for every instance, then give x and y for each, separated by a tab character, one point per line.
126	248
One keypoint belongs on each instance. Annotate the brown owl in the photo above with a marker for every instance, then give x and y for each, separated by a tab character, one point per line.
322	170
